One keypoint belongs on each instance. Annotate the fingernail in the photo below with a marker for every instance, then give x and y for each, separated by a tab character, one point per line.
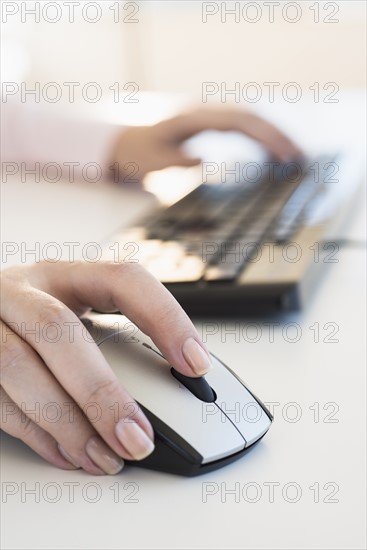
67	456
134	438
196	357
102	456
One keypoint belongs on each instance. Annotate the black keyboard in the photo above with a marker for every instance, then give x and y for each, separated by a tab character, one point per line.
246	247
216	230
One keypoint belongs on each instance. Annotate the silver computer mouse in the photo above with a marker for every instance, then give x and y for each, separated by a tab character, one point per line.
200	424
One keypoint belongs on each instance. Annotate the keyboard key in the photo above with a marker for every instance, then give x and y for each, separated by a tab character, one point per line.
216	230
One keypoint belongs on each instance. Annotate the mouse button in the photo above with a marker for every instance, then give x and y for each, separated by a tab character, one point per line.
197	386
148	379
132	361
218	436
238	403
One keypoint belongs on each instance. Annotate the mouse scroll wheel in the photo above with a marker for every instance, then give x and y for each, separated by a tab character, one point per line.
198	386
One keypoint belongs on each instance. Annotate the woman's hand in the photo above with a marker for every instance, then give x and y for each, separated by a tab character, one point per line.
155	147
72	372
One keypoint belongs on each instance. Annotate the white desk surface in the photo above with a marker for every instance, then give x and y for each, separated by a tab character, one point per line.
321	382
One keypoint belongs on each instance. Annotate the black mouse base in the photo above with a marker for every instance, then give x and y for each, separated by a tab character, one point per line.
166	459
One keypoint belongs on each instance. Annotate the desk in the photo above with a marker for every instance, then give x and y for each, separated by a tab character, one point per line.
302	487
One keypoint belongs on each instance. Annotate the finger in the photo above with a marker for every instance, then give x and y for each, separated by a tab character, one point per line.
189	124
78	365
270	136
28	382
129	288
15	423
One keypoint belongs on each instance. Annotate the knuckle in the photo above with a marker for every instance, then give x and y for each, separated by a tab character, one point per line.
124	269
103	391
52	312
25	427
14	353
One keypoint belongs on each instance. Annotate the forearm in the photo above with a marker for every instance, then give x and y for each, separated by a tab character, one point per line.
54	144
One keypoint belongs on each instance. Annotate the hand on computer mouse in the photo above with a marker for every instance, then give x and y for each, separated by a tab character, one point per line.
159	146
58	393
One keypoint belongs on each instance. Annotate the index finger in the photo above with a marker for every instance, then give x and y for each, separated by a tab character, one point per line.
130	289
188	124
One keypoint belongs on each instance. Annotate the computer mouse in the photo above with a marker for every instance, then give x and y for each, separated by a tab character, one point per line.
200	424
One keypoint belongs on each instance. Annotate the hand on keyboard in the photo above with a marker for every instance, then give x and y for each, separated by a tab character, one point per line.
212	233
146	148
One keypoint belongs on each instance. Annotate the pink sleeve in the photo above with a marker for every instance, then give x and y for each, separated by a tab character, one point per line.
31	133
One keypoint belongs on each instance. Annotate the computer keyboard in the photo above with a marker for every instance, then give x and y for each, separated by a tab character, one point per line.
209	248
216	229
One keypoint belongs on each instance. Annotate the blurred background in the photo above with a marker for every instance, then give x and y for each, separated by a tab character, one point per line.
175	46
160	56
